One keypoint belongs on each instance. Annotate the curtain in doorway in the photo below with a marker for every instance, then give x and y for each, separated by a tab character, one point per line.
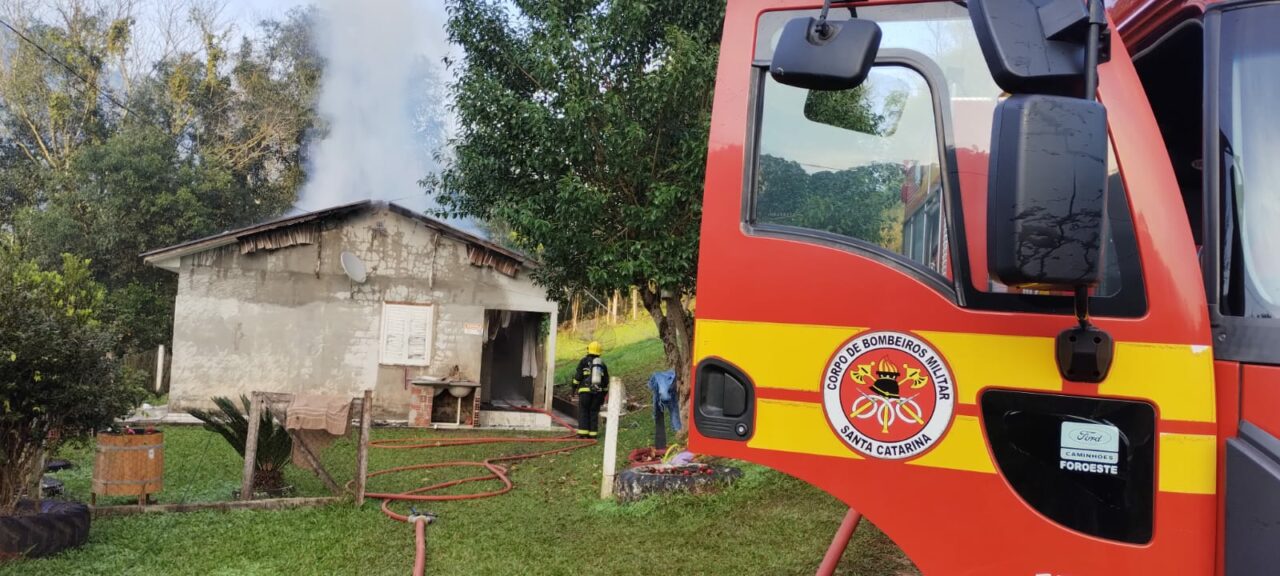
529	358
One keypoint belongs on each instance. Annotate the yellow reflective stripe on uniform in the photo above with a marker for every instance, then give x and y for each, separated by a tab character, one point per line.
1188	463
584	389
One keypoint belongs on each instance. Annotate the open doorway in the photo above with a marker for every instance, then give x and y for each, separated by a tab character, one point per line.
514	359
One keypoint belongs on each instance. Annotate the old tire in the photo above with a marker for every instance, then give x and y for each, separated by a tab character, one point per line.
58	526
636	483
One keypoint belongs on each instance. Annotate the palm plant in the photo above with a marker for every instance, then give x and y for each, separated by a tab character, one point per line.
275	447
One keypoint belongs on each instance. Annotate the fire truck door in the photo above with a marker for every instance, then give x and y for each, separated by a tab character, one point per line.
847	333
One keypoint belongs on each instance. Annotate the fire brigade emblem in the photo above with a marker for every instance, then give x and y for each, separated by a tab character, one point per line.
888	395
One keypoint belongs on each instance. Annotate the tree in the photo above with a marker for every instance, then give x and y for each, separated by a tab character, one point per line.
120	198
863	202
56	369
207	139
583	129
50	110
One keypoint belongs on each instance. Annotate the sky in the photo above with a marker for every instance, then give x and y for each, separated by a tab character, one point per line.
246	13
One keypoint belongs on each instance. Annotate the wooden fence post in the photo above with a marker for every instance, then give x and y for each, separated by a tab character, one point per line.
362	451
614	412
251	446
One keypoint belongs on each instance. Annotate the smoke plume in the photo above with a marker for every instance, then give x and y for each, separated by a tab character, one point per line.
381	101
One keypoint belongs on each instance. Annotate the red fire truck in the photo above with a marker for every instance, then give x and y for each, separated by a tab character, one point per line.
1003	276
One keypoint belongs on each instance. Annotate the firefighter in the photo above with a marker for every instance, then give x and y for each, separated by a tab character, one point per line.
591	380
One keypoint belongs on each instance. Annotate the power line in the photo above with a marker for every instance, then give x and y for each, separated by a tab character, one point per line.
106	94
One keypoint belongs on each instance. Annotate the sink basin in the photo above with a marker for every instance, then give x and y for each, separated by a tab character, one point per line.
438	385
460	389
435	383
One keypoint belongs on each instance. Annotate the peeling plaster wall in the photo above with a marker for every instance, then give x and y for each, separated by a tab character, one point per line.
290	320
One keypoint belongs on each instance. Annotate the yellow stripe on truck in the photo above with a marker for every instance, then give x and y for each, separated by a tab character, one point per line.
783	356
964	448
1177	377
791	357
1186	460
1187	463
980	360
798	427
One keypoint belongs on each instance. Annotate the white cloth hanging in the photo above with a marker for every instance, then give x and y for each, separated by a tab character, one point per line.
529	356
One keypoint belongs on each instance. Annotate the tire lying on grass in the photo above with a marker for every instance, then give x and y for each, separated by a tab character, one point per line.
56	527
635	483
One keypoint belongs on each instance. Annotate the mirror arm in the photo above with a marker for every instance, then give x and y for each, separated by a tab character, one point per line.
1097	22
1084	352
822	28
1082	305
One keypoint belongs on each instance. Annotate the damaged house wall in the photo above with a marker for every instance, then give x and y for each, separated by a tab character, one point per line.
274	310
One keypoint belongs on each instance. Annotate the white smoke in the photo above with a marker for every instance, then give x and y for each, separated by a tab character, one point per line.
382	101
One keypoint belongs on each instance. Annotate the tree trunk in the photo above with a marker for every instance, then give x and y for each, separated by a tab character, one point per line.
18	474
675	328
613	308
575	304
635	300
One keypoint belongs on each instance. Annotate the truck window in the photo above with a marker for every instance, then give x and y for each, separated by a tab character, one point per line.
858	164
1249	81
834	176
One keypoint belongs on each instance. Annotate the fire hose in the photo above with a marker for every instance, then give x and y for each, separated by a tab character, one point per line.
839	543
493	471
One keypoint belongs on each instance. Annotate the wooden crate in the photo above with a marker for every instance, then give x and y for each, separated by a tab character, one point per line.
128	465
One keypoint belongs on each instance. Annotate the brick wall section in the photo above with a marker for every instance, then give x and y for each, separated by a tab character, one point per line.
420	402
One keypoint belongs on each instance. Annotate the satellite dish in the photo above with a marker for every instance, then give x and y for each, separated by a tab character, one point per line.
354	267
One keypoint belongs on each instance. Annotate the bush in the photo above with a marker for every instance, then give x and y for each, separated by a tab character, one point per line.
275	447
58	376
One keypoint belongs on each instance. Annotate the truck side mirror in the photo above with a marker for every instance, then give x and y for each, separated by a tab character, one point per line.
1039	46
819	54
1047	192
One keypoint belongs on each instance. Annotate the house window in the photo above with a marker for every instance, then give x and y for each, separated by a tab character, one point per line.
406	334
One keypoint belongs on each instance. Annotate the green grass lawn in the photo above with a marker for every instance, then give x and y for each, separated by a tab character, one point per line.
634	354
552	523
767	523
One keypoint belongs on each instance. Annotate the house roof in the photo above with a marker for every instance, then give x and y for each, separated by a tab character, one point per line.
229	237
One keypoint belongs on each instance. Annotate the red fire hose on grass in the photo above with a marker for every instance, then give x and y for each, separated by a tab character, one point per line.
839	543
493	471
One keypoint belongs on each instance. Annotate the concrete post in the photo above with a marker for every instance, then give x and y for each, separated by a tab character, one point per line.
549	382
613	413
159	386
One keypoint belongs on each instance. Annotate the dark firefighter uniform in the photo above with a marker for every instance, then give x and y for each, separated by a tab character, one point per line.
590	396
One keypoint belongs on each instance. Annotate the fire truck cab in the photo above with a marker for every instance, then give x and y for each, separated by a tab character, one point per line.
1022	325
